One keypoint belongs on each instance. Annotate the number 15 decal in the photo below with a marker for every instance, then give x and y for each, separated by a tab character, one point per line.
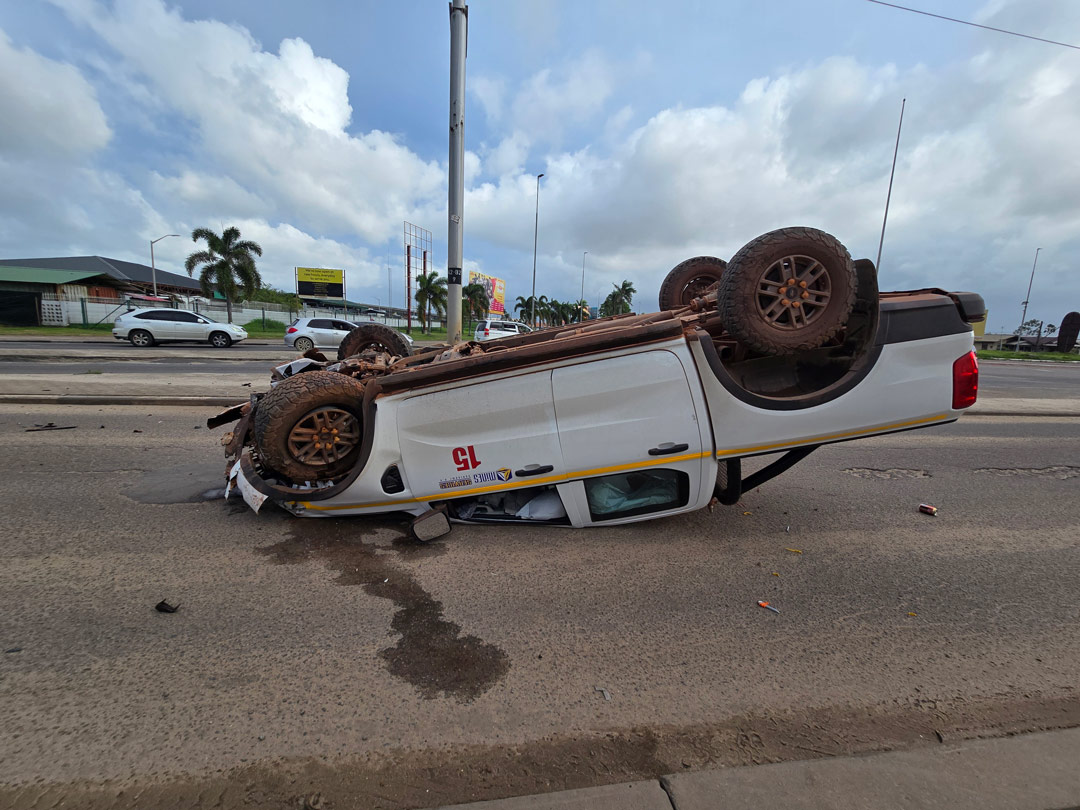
465	458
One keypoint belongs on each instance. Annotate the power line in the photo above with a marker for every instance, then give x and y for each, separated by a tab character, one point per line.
976	25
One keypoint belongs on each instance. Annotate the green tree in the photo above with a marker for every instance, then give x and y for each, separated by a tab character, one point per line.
474	301
618	300
522	307
430	295
227	263
626	293
581	310
272	295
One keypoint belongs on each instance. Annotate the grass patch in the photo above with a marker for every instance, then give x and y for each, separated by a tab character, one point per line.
265	329
993	354
93	330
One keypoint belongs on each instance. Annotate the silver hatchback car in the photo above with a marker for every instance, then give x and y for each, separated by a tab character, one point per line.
322	333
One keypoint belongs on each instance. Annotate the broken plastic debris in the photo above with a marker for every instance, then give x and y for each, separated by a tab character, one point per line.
748	513
775	573
165	607
910	613
50	426
794	550
767	606
602	691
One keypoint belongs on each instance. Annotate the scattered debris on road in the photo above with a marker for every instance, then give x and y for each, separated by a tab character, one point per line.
767	606
911	613
602	691
136	431
927	509
794	550
50	426
165	607
13	650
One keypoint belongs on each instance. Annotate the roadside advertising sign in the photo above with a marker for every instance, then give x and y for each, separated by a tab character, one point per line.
495	289
320	282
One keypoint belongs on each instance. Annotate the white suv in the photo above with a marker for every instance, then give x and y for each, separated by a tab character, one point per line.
493	330
145	327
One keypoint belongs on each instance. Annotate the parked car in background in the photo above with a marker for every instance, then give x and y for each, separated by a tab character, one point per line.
322	333
150	325
495	329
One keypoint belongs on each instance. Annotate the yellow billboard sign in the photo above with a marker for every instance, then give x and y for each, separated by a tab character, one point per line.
495	289
320	282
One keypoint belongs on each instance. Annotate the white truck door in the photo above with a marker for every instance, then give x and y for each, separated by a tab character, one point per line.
628	426
482	437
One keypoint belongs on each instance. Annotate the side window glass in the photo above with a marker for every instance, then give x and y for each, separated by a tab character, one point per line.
319	323
636	493
341	326
146	316
185	317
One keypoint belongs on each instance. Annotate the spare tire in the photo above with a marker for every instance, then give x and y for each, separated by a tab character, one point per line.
689	280
310	427
787	291
373	336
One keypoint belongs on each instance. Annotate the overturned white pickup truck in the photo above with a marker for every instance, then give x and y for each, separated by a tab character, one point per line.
787	347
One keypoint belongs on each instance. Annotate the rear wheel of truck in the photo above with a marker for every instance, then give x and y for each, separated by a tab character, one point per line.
689	280
309	427
787	291
373	336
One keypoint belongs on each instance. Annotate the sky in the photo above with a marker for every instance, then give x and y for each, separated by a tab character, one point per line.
664	131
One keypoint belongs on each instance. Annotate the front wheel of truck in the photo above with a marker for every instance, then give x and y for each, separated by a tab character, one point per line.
310	427
787	291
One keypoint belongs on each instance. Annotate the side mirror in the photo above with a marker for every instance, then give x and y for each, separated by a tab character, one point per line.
433	523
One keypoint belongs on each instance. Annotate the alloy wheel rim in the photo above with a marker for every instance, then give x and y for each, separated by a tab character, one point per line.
793	292
324	436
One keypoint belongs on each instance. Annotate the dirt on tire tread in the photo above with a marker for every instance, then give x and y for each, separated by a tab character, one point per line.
673	280
287	402
728	302
367	333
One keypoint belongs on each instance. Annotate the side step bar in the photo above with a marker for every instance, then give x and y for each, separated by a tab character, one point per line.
730	485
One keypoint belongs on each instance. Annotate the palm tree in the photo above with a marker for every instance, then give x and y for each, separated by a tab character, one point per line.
430	294
543	310
581	310
626	293
522	307
227	264
474	301
618	300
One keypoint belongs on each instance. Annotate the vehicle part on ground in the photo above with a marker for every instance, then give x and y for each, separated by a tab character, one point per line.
373	336
786	291
140	338
309	427
433	523
689	280
220	340
304	345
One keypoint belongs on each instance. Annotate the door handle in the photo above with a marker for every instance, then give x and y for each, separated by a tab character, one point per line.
667	448
533	469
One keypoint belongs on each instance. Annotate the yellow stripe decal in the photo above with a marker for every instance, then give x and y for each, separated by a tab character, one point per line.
743	450
656	462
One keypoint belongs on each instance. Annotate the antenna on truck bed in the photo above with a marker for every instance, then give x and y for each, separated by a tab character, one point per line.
888	197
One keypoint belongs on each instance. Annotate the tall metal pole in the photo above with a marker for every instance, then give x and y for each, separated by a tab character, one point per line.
1023	318
582	298
408	288
536	230
153	267
459	44
888	196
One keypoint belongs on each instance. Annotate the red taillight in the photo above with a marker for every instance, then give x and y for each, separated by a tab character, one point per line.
291	329
965	381
487	332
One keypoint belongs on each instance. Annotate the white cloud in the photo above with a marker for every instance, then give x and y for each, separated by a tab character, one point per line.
275	123
47	108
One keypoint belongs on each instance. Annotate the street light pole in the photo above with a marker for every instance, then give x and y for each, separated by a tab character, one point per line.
582	298
536	229
153	268
459	37
1023	318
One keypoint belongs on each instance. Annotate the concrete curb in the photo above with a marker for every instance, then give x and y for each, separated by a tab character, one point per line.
1027	414
91	399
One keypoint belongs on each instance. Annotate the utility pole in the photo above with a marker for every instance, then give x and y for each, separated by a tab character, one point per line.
582	298
459	43
1023	318
536	230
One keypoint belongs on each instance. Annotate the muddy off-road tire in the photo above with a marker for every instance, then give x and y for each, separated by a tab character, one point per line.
309	427
373	336
787	291
689	280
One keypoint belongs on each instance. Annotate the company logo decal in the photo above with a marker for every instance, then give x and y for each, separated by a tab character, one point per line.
454	483
503	474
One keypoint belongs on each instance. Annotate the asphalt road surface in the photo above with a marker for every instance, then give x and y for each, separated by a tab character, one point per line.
123	347
337	657
1029	379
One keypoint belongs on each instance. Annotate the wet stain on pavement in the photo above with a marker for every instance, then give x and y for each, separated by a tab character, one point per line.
432	654
189	483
